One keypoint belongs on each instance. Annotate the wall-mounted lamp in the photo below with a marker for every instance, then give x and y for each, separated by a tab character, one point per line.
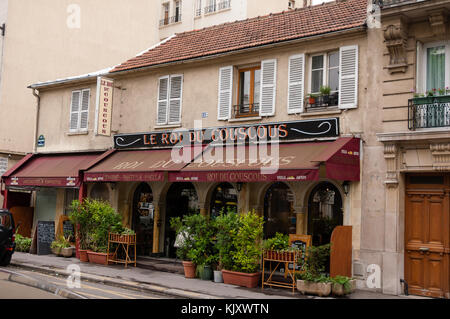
239	186
346	186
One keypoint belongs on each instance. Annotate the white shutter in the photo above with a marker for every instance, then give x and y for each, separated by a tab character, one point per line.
348	77
84	111
163	99
176	89
225	93
296	74
268	87
75	110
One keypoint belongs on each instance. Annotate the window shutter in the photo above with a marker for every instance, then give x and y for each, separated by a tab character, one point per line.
348	77
296	75
163	93
84	112
176	89
268	87
75	110
225	93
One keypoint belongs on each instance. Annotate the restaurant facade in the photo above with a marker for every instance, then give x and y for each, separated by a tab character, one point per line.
242	116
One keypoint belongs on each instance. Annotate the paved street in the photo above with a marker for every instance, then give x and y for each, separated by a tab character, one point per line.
12	290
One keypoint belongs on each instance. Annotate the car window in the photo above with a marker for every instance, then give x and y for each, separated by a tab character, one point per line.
5	220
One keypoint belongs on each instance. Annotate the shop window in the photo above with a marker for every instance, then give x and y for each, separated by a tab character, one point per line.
70	195
224	199
100	192
324	213
279	214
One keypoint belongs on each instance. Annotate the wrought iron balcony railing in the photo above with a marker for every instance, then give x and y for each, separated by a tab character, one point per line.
225	4
323	100
429	112
170	20
245	110
394	3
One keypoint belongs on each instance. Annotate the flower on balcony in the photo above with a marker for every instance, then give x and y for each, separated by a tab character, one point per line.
441	91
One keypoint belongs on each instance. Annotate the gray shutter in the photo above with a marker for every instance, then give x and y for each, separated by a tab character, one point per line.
163	99
268	87
75	110
348	77
176	94
225	93
296	75
84	112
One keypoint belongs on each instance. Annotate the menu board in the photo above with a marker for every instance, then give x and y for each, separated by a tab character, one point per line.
45	236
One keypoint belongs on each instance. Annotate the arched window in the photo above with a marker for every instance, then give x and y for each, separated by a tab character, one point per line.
224	197
324	212
278	211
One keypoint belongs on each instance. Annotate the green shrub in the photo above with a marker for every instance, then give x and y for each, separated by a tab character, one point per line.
23	244
226	227
343	280
315	264
279	242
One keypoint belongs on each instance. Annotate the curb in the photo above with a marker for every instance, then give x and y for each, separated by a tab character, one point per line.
120	283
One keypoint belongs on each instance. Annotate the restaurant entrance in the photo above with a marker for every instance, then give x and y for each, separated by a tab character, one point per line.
142	218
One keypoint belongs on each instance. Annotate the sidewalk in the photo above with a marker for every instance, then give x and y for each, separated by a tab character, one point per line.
163	282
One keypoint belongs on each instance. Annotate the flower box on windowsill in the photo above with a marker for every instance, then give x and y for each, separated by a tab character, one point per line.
431	99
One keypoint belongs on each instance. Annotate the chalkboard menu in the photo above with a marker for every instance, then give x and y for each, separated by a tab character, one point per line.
45	236
301	245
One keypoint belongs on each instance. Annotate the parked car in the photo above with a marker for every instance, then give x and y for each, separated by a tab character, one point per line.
7	237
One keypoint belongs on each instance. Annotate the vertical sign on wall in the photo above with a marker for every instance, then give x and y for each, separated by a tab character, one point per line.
105	89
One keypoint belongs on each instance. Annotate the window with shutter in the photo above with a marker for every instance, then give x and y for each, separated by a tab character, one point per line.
296	74
163	97
348	77
225	93
176	89
79	110
268	87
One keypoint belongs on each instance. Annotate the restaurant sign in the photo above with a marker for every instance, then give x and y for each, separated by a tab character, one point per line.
280	131
105	88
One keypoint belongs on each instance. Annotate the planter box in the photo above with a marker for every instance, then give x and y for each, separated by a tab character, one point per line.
322	289
98	258
67	252
338	289
124	239
423	100
56	251
241	279
189	269
83	255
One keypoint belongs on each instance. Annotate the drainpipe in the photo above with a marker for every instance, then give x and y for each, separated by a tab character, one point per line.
38	107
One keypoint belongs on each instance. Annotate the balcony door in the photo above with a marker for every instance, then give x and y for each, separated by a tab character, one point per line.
249	92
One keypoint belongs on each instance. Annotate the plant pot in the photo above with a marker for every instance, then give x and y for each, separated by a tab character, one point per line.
312	101
206	273
241	279
98	258
56	251
322	289
83	255
189	269
218	276
67	252
339	290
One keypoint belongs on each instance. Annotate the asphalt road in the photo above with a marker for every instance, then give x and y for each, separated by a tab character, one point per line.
89	290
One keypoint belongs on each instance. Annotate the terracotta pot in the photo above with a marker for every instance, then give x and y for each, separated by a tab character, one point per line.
241	279
98	258
322	289
83	255
189	269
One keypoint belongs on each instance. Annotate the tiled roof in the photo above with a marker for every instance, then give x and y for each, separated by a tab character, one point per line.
273	28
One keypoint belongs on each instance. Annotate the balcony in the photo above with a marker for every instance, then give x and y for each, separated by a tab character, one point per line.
245	110
429	112
394	3
221	5
321	101
170	20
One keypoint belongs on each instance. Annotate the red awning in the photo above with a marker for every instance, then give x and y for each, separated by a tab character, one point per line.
283	162
55	170
141	165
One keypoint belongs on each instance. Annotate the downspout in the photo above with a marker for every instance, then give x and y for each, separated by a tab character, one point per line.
38	107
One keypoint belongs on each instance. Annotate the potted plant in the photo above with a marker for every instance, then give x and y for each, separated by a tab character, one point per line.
313	280
325	94
55	247
80	217
342	285
246	252
312	99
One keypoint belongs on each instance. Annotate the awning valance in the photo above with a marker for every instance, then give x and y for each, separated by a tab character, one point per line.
283	162
49	170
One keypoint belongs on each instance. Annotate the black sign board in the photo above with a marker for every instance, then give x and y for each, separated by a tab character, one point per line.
45	236
281	131
302	246
68	228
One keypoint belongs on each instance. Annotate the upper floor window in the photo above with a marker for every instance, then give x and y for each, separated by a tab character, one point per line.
198	8
170	95
436	68
177	11
79	110
249	89
325	79
217	5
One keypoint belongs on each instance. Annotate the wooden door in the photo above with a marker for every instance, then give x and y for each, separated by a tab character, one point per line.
427	236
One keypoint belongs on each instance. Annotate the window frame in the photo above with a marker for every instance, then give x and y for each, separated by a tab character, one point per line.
325	68
169	98
423	61
252	90
80	105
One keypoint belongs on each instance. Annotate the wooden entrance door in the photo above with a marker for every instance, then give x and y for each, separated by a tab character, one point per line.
427	235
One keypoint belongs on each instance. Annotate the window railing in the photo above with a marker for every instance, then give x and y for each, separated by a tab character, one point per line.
429	112
322	100
221	5
170	20
245	110
394	3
